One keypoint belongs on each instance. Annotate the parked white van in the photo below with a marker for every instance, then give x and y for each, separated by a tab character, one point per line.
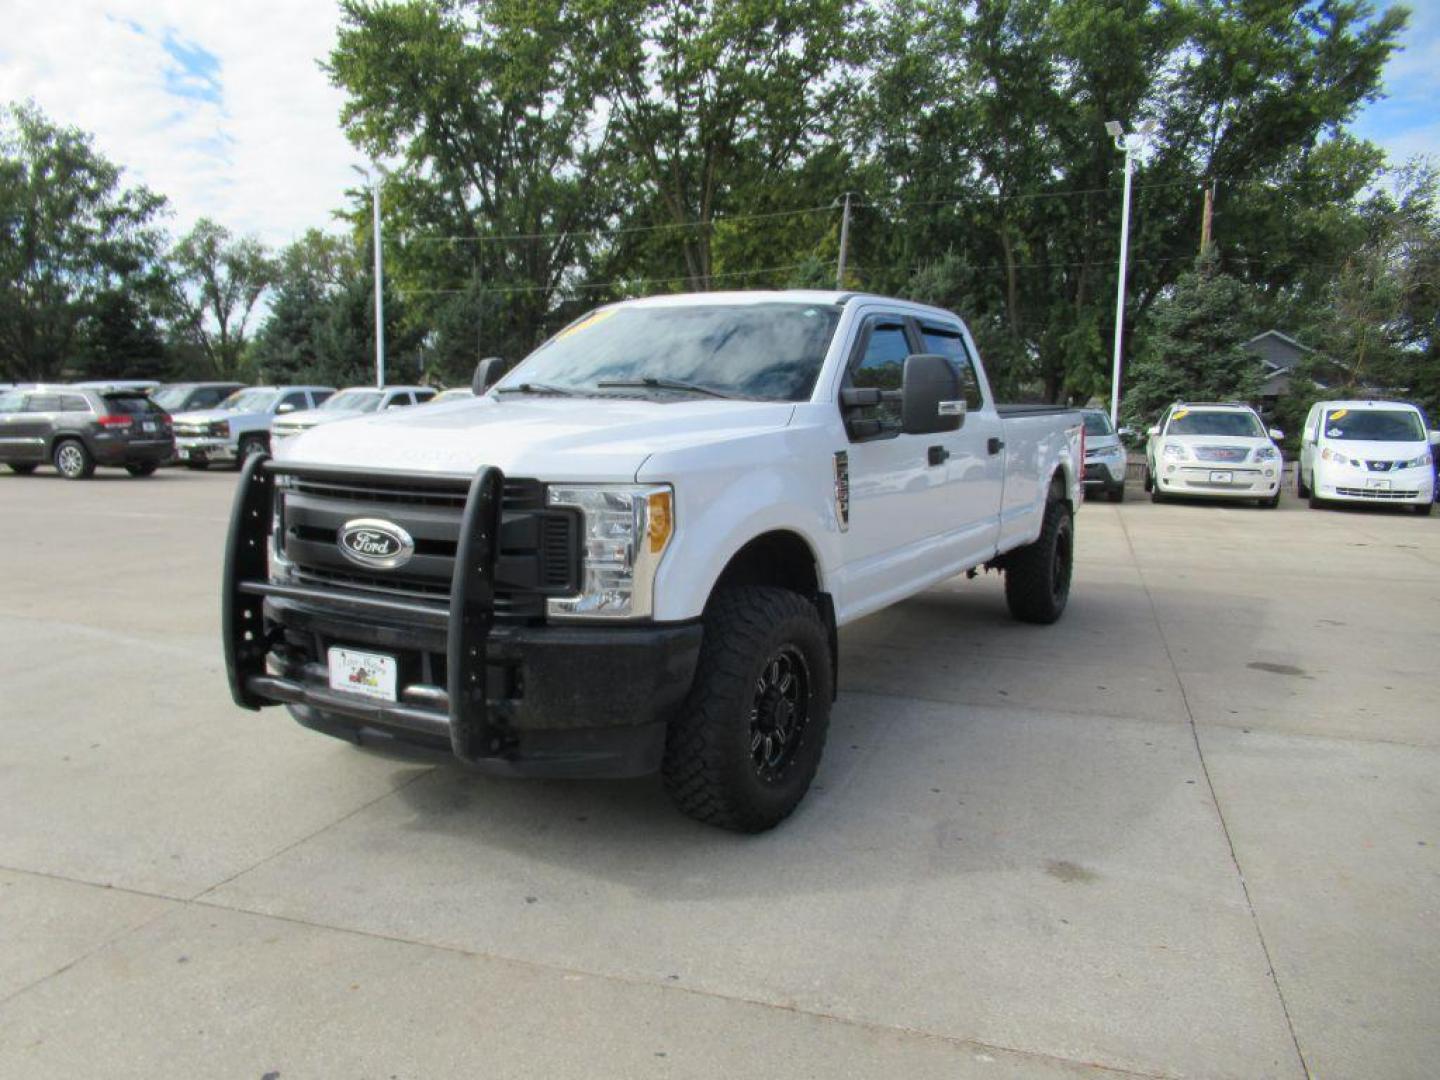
1366	451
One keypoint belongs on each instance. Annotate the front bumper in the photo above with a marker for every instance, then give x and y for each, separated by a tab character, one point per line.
516	699
1220	480
203	448
1105	472
1413	486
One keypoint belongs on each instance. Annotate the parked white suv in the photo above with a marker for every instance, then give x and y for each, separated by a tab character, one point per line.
1213	450
349	403
1367	451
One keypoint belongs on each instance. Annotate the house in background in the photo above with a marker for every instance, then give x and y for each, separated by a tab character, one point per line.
1281	354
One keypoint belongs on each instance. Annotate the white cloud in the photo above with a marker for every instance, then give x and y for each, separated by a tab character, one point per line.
254	143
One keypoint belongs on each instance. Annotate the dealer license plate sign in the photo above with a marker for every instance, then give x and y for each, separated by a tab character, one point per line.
1378	485
1221	477
365	673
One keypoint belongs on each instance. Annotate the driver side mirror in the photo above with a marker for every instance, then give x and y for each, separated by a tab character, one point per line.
1154	431
1435	438
487	374
285	407
931	398
1276	434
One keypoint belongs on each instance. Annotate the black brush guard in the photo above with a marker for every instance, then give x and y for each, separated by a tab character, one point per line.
467	622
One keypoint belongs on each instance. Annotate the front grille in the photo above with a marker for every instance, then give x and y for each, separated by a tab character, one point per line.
1221	453
191	430
1381	466
1373	493
539	554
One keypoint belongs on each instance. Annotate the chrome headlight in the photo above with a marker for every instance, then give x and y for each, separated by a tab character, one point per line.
1174	452
1415	463
626	528
219	429
1266	453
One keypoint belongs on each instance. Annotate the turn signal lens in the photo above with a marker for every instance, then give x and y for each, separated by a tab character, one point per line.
661	521
116	421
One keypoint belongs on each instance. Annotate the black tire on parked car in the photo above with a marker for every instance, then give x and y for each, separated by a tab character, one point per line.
1424	509
1300	488
1149	480
142	468
1037	576
1155	494
197	465
1116	494
72	460
23	470
1316	503
1271	503
743	750
250	445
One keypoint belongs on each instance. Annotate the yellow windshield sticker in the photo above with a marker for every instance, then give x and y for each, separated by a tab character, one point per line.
585	324
1338	413
1180	414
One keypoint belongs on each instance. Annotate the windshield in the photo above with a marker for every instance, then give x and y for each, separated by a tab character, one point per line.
254	399
768	352
1375	425
354	400
133	404
1097	423
171	398
1244	424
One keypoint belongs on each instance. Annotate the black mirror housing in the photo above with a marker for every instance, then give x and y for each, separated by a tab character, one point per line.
932	399
487	374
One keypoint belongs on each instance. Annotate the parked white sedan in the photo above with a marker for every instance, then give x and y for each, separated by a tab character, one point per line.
1213	450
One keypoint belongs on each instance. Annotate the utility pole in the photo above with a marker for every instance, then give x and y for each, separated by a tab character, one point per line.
1129	144
844	244
1207	218
379	271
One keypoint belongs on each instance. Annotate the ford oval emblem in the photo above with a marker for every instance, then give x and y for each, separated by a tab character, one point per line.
375	543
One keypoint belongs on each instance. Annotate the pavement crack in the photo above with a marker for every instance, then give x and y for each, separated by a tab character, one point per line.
1219	812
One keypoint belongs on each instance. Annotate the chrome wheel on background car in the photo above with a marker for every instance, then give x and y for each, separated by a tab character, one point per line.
73	461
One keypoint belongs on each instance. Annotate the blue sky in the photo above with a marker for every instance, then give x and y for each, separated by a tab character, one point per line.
1407	121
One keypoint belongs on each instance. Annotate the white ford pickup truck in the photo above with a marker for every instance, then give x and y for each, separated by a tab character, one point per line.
633	552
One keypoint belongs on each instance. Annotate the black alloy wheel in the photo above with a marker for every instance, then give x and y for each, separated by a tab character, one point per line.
779	713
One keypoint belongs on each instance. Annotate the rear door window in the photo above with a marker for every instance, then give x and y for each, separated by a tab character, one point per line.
295	398
11	402
947	342
319	396
42	403
74	403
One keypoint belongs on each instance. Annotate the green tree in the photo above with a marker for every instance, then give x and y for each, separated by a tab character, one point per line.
1195	348
73	238
309	274
218	281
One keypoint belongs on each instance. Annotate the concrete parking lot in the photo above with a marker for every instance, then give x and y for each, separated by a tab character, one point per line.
1191	830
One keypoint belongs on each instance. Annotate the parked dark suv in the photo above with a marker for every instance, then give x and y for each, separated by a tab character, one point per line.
75	429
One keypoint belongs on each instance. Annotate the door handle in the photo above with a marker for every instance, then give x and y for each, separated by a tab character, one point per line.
995	445
937	455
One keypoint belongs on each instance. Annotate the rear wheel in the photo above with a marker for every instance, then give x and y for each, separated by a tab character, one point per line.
142	468
23	470
1116	494
72	460
1037	576
745	747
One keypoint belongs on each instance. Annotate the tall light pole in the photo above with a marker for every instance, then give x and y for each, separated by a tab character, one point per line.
374	183
1129	144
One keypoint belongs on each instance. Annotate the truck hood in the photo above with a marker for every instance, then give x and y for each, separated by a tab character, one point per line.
310	417
545	438
208	416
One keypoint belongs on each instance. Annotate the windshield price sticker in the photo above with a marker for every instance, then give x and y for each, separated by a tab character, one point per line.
585	324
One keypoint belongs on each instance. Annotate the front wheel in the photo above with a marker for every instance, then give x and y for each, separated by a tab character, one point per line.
1316	503
1037	576
72	460
249	446
745	747
1300	487
1149	480
1423	509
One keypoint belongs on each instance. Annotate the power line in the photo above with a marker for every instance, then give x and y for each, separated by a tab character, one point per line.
600	285
618	230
